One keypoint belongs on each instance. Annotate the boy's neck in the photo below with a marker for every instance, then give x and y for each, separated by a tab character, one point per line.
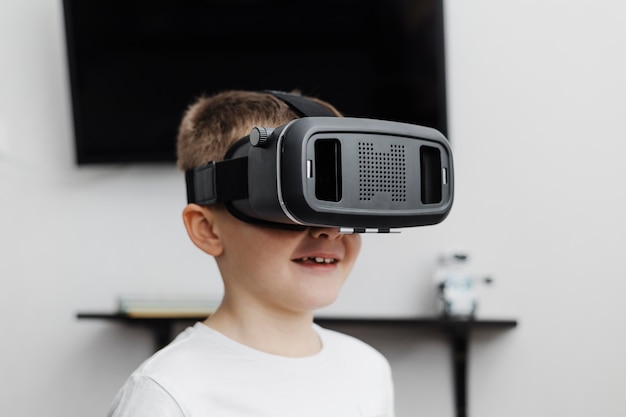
289	335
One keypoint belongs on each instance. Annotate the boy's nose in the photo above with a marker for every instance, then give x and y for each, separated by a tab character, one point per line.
325	232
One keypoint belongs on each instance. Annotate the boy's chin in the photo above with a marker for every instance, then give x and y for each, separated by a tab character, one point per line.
320	301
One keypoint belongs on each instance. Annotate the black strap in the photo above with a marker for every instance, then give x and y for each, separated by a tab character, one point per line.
302	105
218	181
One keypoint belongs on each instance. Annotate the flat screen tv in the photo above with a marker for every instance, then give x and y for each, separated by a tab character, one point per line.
135	65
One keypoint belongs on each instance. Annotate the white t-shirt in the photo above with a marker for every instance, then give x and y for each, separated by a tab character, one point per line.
203	373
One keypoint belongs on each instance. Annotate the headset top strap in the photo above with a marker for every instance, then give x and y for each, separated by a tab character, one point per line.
303	106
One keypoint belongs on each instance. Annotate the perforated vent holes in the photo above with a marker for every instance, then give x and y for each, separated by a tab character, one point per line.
382	172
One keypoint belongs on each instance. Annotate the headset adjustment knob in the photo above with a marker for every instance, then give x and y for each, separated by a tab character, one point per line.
259	135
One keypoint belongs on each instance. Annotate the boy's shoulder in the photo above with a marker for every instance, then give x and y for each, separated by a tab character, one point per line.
345	344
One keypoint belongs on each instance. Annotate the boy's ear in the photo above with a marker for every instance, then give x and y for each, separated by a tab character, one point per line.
200	223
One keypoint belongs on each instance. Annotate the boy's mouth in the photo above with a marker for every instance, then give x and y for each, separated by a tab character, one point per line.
316	259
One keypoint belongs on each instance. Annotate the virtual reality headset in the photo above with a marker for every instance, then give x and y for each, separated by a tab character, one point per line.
356	174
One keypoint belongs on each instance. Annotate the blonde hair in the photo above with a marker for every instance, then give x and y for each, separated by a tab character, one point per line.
213	123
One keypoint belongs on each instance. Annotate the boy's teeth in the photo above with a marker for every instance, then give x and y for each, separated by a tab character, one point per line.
319	260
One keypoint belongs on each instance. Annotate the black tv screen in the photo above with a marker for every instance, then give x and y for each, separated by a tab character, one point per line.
135	65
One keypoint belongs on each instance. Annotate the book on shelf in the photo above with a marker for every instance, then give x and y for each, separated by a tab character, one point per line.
167	305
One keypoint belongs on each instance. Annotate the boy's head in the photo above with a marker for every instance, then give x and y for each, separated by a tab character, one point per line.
212	124
260	266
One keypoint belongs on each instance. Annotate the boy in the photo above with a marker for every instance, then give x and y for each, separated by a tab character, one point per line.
259	354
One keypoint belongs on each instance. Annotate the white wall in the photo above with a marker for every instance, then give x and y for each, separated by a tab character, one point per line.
536	97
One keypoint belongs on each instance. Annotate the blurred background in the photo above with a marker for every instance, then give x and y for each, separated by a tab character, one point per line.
535	106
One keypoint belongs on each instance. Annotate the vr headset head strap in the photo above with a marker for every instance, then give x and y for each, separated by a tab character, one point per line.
218	182
301	105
